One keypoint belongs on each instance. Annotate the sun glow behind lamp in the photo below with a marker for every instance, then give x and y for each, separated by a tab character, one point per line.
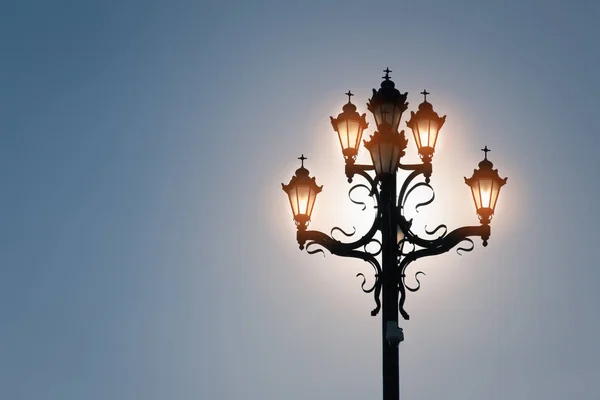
349	126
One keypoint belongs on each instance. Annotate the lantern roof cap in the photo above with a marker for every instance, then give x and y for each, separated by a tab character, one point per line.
387	93
302	172
426	106
485	163
349	108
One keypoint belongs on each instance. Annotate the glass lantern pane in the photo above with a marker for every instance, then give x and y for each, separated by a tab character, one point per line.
389	107
292	194
395	157
494	197
311	202
303	194
353	133
476	197
485	192
385	156
377	115
417	136
389	110
433	131
396	118
375	157
343	134
423	127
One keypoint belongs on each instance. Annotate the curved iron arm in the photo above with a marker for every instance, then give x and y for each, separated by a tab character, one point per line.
447	243
439	246
335	246
361	169
348	250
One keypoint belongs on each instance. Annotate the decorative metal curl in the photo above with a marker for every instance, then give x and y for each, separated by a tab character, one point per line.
412	189
352	189
376	296
466	249
401	245
433	232
376	288
378	252
362	285
413	289
338	229
309	251
311	238
439	246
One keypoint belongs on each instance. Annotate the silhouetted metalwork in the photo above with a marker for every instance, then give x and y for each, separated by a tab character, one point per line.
398	246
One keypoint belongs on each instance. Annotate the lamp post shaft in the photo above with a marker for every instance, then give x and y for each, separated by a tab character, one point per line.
389	236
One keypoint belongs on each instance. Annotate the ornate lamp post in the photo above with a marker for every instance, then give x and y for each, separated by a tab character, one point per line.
399	245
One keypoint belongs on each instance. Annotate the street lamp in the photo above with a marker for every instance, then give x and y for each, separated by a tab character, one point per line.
399	245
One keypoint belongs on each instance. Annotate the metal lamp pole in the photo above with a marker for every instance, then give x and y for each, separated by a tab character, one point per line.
399	245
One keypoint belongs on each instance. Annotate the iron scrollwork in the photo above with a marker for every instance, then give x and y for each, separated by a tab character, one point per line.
411	246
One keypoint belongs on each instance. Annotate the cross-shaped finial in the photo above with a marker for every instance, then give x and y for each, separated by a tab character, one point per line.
302	158
349	94
425	93
387	74
485	150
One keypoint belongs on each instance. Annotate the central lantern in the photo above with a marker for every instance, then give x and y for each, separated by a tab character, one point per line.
386	147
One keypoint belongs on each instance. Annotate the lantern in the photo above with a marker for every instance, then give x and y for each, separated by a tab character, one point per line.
302	192
349	126
485	186
386	148
387	103
425	125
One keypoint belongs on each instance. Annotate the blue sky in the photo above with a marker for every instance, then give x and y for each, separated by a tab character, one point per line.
146	247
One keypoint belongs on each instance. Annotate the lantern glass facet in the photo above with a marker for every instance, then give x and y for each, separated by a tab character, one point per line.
302	192
349	126
485	187
388	113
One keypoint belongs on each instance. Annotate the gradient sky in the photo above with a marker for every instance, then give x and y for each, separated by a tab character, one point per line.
148	252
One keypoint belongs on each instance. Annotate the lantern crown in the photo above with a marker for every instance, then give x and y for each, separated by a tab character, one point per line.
390	99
